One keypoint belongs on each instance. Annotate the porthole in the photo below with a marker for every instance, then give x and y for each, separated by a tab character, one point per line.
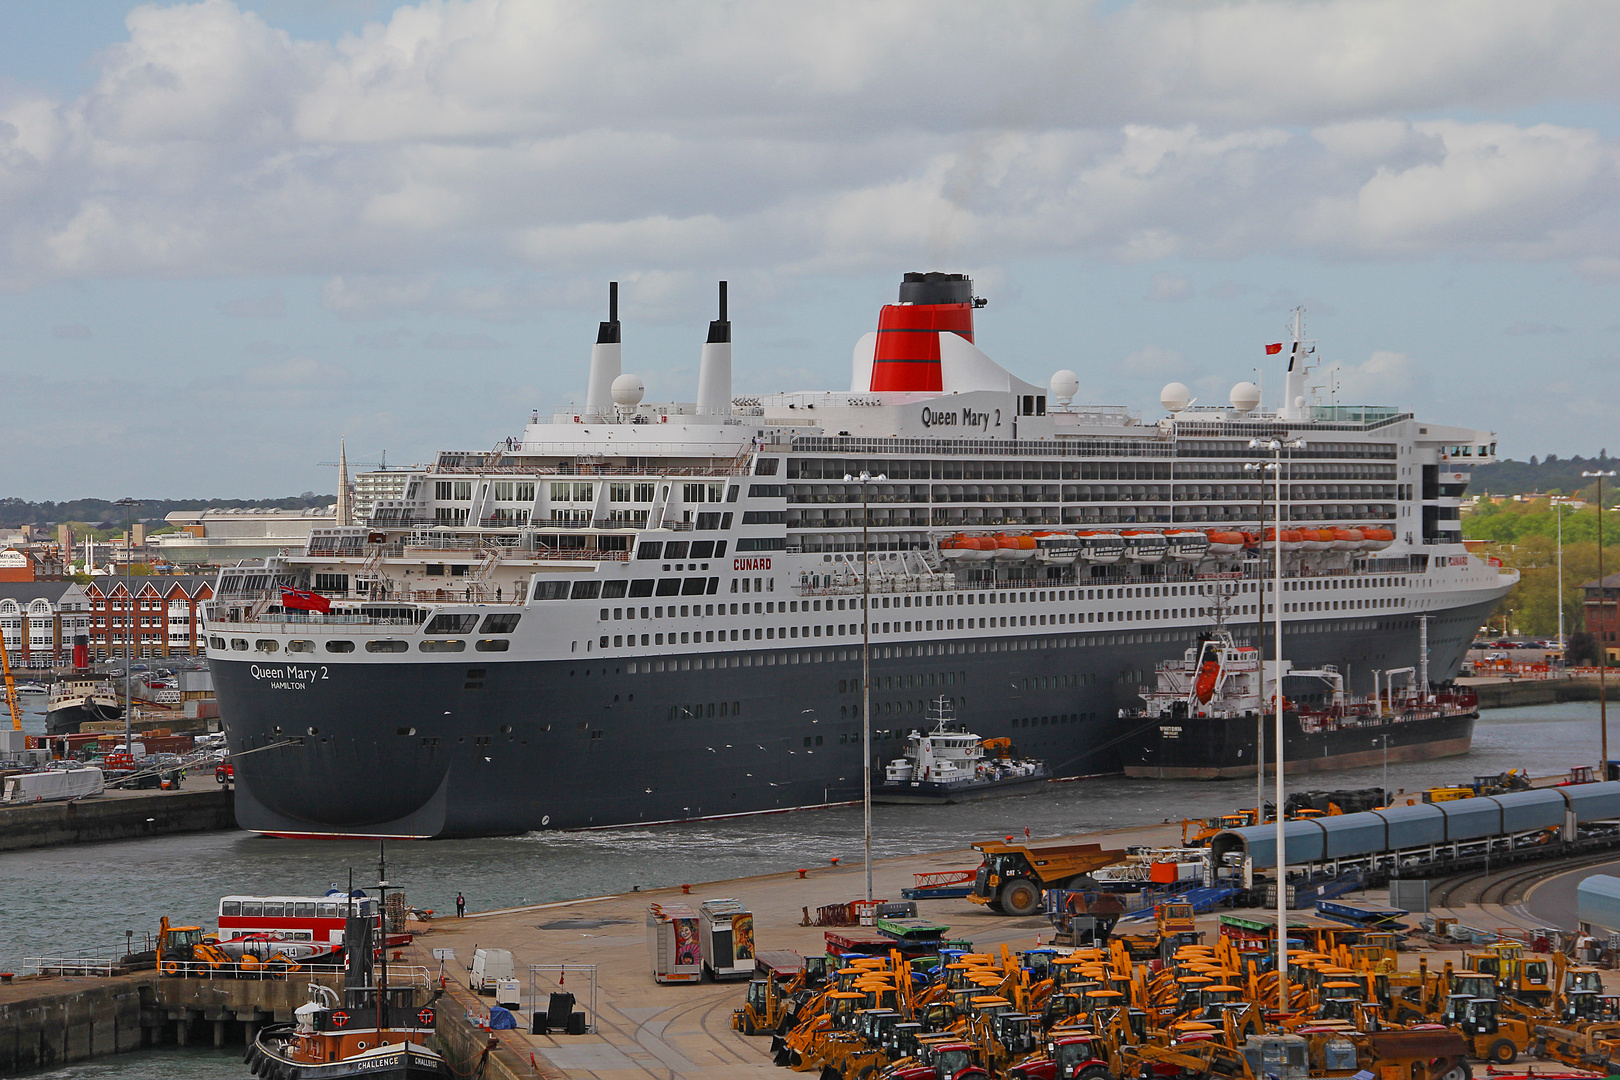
406	731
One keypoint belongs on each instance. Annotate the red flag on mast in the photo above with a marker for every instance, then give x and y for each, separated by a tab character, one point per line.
1273	350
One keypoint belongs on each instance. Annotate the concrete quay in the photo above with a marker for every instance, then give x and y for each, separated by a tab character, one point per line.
200	805
49	1022
652	1030
1498	693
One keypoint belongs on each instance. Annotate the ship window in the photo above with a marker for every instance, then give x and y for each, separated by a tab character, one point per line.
611	590
267	645
651	549
702	549
340	646
549	590
493	645
292	646
239	644
386	646
676	549
583	590
451	624
453	645
641	587
669	586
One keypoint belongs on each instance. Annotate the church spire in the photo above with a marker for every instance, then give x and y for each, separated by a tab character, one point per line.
343	504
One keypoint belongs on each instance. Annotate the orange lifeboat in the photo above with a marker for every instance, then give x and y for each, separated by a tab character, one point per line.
1225	542
1318	539
1208	675
1291	539
1376	538
968	548
1347	539
1014	548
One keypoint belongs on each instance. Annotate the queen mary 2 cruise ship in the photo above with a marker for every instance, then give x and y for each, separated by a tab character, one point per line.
646	612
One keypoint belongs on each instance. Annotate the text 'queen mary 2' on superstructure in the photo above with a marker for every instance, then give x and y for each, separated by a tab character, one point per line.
645	612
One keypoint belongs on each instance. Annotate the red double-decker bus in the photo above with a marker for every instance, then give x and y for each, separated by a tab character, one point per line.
315	919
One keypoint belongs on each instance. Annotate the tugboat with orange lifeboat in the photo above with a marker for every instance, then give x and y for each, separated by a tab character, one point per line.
372	1030
1209	716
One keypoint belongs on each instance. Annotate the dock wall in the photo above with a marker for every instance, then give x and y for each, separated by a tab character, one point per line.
465	1044
68	1022
1515	692
125	818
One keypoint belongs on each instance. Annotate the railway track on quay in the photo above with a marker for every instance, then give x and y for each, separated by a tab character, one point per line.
1508	885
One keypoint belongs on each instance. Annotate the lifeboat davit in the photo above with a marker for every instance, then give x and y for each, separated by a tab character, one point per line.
1143	546
1347	539
1225	541
1208	676
1187	545
1014	548
1101	548
1061	549
1376	538
1317	539
968	548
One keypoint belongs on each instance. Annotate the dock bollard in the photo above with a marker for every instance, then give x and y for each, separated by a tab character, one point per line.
802	873
686	890
834	860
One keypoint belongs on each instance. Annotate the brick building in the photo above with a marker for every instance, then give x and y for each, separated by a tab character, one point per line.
40	619
164	613
1601	613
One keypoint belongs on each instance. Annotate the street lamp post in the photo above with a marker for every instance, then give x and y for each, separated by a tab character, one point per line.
1276	447
129	506
1603	652
1558	509
866	668
1260	640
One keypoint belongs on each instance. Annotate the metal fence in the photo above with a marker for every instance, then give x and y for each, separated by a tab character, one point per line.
548	979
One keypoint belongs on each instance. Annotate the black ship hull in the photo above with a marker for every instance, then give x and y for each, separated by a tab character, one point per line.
269	1058
67	719
929	792
1182	748
433	750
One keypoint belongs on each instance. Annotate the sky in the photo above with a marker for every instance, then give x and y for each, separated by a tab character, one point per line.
232	233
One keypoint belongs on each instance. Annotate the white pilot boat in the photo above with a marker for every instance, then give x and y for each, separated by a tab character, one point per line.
948	765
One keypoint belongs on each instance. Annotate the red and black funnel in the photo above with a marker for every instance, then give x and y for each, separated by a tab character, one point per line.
907	355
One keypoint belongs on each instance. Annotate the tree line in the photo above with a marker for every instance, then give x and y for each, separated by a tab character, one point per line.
106	514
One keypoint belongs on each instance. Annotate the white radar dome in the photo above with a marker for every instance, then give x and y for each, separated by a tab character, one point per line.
628	390
1245	397
1175	397
1064	385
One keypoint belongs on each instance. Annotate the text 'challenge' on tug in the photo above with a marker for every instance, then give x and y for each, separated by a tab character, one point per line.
641	612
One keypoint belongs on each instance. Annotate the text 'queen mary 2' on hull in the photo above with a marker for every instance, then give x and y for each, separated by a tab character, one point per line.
651	612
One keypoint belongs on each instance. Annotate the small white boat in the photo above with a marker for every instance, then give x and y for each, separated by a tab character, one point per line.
32	688
949	765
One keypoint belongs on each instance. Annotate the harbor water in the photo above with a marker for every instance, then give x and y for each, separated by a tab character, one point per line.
80	901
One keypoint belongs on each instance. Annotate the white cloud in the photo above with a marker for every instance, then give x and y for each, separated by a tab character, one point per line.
1156	360
573	139
1169	288
266	305
1382	378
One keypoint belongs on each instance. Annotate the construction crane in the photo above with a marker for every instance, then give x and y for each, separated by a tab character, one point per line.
10	683
383	464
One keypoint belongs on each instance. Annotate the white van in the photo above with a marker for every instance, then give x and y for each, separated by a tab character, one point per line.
489	967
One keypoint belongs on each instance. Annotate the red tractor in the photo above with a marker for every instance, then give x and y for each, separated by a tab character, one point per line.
225	773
